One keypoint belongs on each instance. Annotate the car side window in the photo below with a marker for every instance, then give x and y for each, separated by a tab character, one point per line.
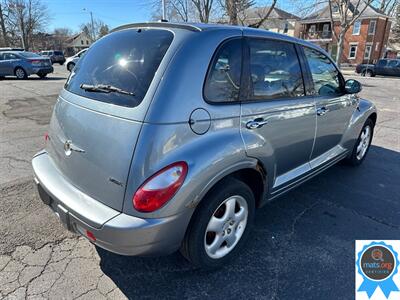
382	63
8	56
392	64
223	78
326	77
275	70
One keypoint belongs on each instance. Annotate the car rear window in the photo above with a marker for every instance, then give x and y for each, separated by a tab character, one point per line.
126	59
58	53
29	55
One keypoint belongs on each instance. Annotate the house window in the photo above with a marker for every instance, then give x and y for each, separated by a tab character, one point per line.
371	27
325	31
353	51
335	7
286	28
81	42
367	53
312	29
357	27
87	42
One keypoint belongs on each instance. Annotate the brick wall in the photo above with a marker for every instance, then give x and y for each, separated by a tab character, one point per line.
378	41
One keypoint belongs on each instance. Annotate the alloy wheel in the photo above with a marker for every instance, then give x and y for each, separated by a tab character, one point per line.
226	227
20	73
363	145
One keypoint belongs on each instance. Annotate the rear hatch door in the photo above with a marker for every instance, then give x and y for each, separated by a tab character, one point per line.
98	116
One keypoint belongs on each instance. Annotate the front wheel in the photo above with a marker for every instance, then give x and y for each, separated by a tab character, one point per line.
42	75
220	225
367	73
362	145
70	66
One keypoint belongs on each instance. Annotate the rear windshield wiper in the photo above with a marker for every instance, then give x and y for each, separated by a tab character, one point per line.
104	88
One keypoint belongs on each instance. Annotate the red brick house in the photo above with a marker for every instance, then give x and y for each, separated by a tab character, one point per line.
365	42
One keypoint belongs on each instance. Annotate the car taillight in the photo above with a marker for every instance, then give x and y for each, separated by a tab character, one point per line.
160	188
35	62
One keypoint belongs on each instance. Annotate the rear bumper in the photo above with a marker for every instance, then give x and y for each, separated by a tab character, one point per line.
58	60
114	231
40	70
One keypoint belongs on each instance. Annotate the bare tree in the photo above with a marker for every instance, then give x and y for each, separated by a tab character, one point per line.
233	9
263	14
203	9
26	17
388	7
60	37
3	26
181	7
395	34
347	13
95	30
104	30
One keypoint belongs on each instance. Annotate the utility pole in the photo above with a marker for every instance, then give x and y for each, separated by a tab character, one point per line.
164	10
92	33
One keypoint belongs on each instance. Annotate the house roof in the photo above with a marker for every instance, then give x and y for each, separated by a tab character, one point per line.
324	13
276	13
74	37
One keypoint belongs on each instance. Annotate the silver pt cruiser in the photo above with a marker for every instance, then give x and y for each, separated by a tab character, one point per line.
169	136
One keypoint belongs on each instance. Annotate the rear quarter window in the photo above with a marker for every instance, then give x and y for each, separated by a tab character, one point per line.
126	59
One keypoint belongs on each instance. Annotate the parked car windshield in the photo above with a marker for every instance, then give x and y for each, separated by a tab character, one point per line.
58	53
29	55
126	59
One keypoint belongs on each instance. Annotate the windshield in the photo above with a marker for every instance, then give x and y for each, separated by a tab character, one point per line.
126	60
58	53
29	55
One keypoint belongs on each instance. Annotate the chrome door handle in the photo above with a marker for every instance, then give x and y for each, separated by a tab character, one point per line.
322	111
257	123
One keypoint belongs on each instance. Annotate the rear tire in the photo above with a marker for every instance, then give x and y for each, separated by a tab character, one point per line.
220	225
20	73
42	75
368	73
362	145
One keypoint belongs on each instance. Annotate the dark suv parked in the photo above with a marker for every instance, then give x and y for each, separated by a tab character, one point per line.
55	56
388	67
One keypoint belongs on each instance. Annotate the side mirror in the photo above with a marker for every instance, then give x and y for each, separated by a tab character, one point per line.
352	86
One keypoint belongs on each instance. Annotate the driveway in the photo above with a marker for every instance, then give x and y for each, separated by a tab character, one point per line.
302	246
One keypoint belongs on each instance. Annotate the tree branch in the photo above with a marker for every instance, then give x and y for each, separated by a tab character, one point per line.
265	17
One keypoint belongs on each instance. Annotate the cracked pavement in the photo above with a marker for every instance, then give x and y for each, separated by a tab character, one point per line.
302	245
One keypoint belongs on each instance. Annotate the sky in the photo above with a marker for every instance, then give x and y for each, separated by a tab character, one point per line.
72	13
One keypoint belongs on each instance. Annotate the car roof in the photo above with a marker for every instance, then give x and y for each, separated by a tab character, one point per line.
199	27
12	51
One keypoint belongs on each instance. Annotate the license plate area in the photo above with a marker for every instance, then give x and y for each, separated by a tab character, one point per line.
60	211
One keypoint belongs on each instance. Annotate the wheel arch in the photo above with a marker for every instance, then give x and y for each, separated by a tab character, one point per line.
373	117
19	67
254	176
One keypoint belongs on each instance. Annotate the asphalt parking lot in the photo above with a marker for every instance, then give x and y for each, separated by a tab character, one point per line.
302	247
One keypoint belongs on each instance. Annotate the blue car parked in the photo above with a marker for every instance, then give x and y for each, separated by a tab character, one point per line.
23	63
